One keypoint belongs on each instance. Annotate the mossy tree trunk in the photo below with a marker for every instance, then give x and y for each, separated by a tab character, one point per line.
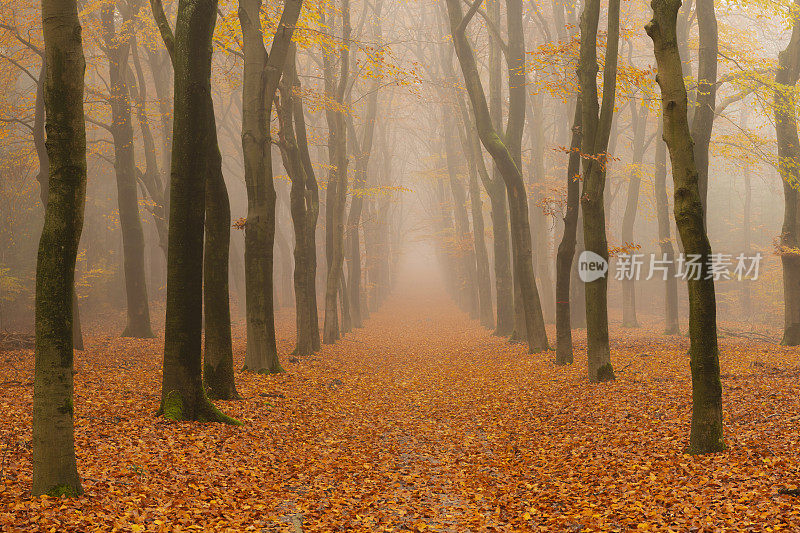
594	145
117	50
183	396
43	178
566	248
55	470
706	433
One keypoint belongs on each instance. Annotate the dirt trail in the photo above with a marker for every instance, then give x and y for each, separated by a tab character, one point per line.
420	421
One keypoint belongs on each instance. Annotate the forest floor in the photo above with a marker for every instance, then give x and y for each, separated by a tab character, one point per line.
420	421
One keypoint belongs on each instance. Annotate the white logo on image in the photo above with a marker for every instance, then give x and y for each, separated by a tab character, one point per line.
591	267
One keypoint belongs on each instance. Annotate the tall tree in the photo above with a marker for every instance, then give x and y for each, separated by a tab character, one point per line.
260	80
117	47
672	325
194	160
704	111
504	154
706	433
336	195
786	78
303	205
594	145
55	470
639	125
566	248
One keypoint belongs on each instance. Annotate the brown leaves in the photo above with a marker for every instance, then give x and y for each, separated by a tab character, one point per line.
421	421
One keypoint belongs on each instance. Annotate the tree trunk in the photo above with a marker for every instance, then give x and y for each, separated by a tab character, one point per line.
672	325
465	254
596	132
639	123
55	470
300	207
704	112
706	433
337	190
182	395
218	361
566	249
259	84
504	282
43	178
786	79
471	147
504	157
118	49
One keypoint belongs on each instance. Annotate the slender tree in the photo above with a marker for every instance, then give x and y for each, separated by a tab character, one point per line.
594	145
117	47
55	470
672	325
706	433
504	157
786	78
336	196
566	248
302	207
260	80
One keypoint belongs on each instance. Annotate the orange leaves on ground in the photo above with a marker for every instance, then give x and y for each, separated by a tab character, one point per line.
420	421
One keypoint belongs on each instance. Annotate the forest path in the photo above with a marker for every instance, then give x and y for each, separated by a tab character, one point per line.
419	421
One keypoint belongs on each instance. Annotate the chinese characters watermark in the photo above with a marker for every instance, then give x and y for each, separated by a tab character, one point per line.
634	267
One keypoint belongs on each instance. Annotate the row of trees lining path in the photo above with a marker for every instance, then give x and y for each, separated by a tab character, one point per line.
199	215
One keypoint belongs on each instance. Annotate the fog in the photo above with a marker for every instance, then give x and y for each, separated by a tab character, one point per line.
254	193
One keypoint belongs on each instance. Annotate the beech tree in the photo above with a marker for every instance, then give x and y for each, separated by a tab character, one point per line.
503	155
117	47
336	195
304	206
786	78
55	470
260	80
706	431
595	132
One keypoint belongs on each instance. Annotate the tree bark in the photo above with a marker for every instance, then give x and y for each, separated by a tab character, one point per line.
117	48
337	190
218	360
566	249
786	79
182	394
504	157
672	325
596	132
259	84
55	470
706	433
301	207
704	112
